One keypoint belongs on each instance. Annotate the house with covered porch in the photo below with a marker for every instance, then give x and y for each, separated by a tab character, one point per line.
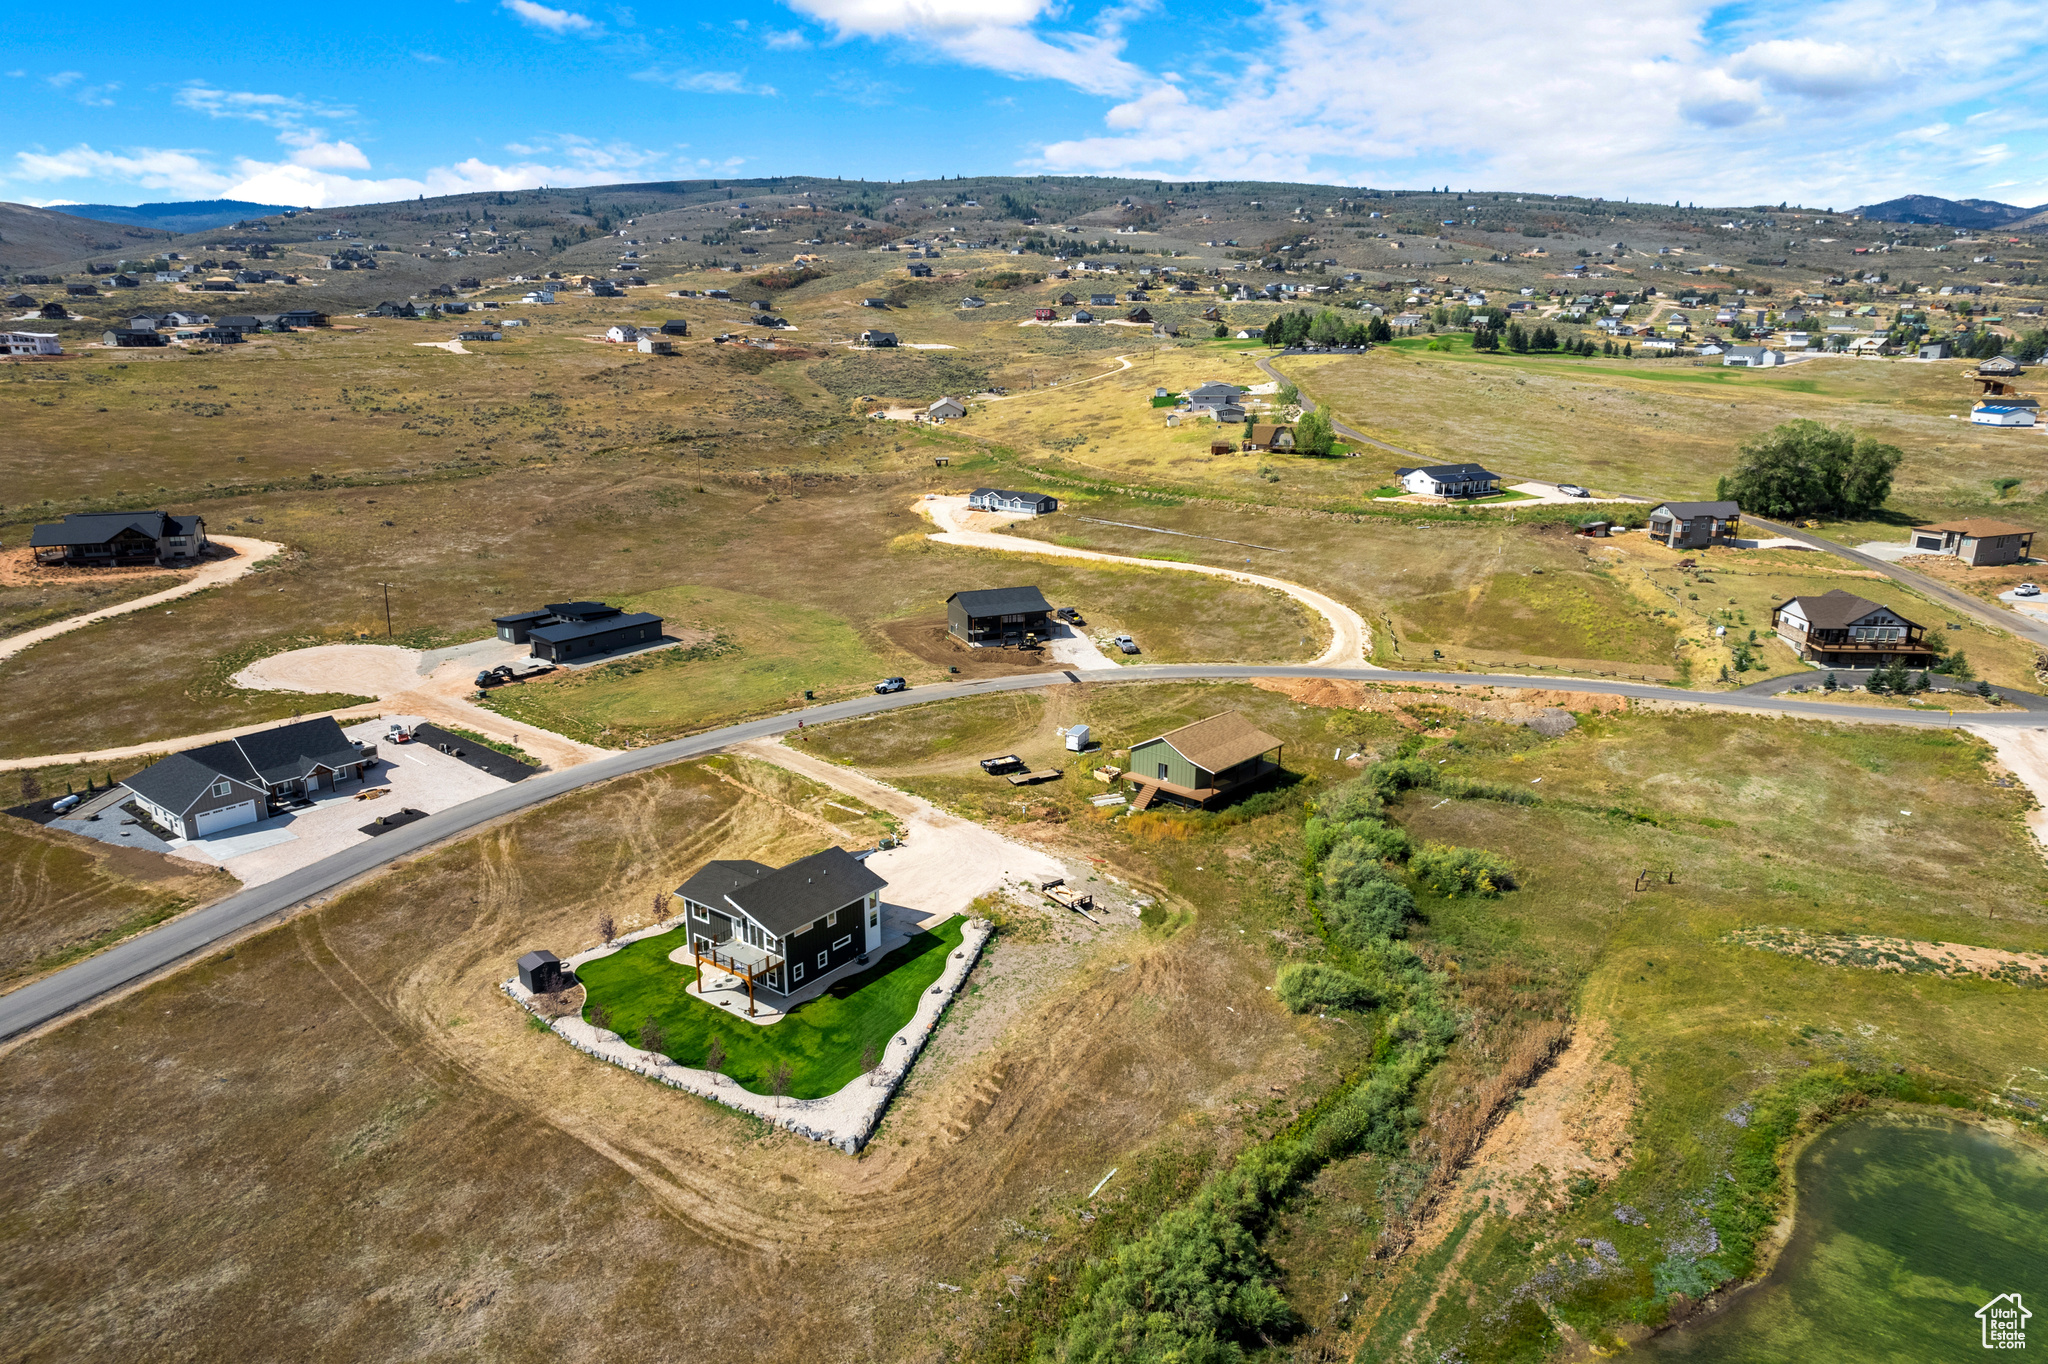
1203	763
782	930
1838	629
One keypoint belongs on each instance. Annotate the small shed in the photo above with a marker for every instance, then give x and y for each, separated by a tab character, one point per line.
542	972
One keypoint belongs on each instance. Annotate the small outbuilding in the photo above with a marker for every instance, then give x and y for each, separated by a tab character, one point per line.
542	973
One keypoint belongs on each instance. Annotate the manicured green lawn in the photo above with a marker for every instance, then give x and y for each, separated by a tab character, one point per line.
821	1041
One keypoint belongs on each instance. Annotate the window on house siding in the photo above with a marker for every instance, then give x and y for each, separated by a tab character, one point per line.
846	941
823	957
222	788
796	971
832	919
874	918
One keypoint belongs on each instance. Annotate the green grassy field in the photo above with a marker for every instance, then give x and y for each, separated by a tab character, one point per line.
821	1042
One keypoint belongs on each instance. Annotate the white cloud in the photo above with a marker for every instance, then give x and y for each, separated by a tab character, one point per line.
429	57
331	156
1692	99
783	40
312	175
63	78
993	34
1817	70
704	82
553	20
275	111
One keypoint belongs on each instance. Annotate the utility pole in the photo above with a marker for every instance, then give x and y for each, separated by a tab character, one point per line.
387	609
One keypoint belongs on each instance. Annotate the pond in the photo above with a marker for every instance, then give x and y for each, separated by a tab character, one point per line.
1906	1227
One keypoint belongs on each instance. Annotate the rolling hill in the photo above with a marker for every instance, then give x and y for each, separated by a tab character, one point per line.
1937	212
193	216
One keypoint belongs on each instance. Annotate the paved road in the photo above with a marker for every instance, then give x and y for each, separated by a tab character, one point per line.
141	956
2016	622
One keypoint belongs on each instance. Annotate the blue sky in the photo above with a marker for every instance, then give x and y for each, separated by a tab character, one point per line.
1830	103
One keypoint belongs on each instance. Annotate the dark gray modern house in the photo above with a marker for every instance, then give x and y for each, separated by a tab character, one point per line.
1838	629
783	930
562	631
240	781
102	538
998	617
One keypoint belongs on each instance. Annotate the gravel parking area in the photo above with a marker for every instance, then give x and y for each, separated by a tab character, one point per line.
412	775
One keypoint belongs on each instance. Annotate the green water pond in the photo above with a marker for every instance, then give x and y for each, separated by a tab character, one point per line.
1905	1228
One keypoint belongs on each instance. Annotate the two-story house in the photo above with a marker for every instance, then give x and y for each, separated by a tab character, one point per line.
783	930
1840	630
1694	525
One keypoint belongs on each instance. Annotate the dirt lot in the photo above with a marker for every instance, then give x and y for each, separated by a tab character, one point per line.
928	639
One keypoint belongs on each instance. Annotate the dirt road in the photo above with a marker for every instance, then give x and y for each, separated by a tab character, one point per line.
390	674
248	553
945	862
1350	639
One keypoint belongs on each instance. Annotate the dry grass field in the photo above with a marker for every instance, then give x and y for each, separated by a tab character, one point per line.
347	1112
1667	428
66	896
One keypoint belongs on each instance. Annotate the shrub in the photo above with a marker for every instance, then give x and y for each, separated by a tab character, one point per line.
1369	914
1357	799
1386	842
1395	775
1453	871
1310	986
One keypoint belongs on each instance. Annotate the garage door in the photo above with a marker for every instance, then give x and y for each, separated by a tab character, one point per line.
213	821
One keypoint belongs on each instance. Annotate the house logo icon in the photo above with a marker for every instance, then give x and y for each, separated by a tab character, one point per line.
2005	1322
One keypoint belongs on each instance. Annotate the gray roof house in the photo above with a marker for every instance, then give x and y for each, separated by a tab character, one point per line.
566	630
1003	500
1694	525
239	781
998	617
1450	480
877	338
100	538
786	930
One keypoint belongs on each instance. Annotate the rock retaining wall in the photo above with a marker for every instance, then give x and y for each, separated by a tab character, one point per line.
845	1119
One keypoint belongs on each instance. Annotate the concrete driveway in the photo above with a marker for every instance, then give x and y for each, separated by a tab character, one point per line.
412	775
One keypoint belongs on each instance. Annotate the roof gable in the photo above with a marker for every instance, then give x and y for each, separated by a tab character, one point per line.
1001	601
295	750
789	900
1839	610
1219	742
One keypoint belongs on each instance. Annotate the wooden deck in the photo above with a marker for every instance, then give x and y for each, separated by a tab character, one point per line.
1152	789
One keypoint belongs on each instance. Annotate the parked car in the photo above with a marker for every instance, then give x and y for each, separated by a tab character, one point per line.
2027	590
889	684
1070	616
1572	490
1127	644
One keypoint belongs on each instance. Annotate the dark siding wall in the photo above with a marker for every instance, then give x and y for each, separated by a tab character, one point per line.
805	947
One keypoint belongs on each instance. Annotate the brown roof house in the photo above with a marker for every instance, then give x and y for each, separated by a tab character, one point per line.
1203	763
1979	542
1840	630
1264	437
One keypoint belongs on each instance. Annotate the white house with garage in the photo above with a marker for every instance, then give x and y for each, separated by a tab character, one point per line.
1450	480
